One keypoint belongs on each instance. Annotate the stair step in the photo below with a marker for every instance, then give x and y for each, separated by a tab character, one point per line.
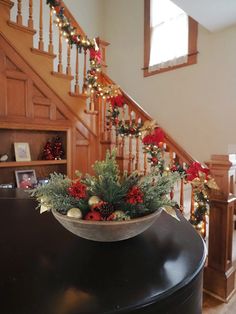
43	53
95	112
82	95
22	28
8	3
63	75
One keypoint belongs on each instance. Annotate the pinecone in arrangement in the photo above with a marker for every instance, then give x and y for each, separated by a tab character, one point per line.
105	209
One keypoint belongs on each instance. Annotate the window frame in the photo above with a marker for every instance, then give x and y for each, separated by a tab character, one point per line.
192	44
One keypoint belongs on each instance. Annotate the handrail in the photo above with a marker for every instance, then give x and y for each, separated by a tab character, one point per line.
73	20
184	156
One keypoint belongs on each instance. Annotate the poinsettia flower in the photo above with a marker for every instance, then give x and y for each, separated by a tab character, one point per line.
155	138
95	55
135	195
117	101
78	190
195	170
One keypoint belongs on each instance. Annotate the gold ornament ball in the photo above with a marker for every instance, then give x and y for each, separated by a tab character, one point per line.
74	213
93	200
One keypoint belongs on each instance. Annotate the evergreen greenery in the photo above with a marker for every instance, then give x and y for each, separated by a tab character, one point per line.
112	188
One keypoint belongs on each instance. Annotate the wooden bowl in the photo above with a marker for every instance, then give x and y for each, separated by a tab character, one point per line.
107	231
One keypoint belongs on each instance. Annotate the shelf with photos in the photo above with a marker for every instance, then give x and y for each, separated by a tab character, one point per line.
34	152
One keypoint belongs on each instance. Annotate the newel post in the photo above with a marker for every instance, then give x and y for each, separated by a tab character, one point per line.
102	44
219	274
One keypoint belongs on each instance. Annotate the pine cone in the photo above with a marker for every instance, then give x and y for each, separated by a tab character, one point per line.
105	209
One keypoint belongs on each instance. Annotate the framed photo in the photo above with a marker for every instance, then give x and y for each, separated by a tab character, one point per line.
25	179
22	152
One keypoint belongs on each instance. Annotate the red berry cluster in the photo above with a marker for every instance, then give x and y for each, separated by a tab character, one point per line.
78	190
135	195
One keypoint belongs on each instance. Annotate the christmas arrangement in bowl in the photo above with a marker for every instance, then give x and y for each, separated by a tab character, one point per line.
108	206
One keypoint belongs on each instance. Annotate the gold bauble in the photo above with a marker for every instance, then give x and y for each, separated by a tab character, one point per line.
93	200
74	213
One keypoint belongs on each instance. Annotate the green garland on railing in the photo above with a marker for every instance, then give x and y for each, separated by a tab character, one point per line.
153	139
83	43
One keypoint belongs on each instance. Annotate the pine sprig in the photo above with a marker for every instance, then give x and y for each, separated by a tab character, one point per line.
55	195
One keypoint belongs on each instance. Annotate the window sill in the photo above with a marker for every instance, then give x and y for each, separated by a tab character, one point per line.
192	59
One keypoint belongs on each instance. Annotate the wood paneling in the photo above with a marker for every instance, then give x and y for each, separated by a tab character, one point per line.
30	112
16	106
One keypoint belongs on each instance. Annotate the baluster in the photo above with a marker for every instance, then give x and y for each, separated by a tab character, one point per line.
77	72
41	43
104	118
19	13
192	202
30	20
137	146
91	104
109	123
68	68
122	142
85	71
145	163
60	67
130	165
50	44
181	201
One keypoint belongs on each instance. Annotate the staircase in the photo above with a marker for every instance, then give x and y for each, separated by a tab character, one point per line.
30	38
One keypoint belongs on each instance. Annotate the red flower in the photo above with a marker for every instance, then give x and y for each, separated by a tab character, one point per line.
95	55
155	138
174	168
78	190
117	101
154	159
92	215
135	195
194	169
75	38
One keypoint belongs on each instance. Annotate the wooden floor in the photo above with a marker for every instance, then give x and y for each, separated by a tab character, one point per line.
213	306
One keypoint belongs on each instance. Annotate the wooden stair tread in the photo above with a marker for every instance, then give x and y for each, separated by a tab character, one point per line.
22	28
63	75
43	53
95	112
82	95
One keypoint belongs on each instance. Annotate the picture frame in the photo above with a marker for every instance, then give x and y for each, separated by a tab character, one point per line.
22	152
26	179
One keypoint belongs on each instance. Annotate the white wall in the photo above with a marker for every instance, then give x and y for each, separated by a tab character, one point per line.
196	105
89	15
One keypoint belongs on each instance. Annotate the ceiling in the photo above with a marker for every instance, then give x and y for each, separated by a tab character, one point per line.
214	15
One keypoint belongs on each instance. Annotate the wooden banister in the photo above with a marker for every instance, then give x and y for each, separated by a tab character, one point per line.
73	21
174	146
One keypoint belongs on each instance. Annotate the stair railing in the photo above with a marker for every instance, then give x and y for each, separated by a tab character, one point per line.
69	62
72	63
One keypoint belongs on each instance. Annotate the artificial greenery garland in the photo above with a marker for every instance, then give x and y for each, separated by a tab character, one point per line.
84	44
153	142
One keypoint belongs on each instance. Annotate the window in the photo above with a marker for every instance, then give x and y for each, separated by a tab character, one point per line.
170	37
